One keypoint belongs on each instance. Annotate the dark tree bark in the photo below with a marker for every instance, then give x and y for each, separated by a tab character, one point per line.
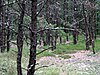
55	39
3	31
42	38
52	41
33	38
0	26
75	17
97	26
92	24
47	10
60	38
8	28
86	28
8	37
75	37
20	39
65	17
48	37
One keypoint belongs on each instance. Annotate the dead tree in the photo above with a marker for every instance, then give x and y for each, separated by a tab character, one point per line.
20	38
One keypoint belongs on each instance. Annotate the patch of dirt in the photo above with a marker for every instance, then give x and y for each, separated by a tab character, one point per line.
80	55
83	62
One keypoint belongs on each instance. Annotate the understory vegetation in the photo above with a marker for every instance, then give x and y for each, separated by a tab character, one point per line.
8	60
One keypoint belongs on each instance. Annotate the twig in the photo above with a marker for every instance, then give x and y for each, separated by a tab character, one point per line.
44	50
14	51
24	69
42	67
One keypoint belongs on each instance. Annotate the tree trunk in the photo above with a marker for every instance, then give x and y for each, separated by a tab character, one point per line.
55	39
33	38
74	37
0	26
60	39
3	31
75	18
48	37
20	39
48	11
52	42
8	28
86	28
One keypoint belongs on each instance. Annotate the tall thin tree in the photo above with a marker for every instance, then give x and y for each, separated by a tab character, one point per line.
20	38
33	38
3	31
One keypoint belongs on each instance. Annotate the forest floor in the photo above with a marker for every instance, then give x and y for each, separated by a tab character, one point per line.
81	63
67	59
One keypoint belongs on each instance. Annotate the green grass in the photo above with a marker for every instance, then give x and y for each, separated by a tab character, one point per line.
8	60
62	48
48	71
97	45
69	48
46	53
7	64
65	56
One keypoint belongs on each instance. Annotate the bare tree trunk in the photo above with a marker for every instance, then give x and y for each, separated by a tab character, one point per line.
8	28
93	24
0	26
52	41
75	8
33	38
48	11
90	23
55	39
97	26
60	39
65	17
20	39
3	31
43	39
48	37
86	28
75	37
67	37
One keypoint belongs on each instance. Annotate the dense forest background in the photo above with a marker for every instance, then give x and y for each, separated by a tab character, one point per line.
29	28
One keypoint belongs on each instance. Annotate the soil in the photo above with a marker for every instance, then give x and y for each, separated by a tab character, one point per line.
82	62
